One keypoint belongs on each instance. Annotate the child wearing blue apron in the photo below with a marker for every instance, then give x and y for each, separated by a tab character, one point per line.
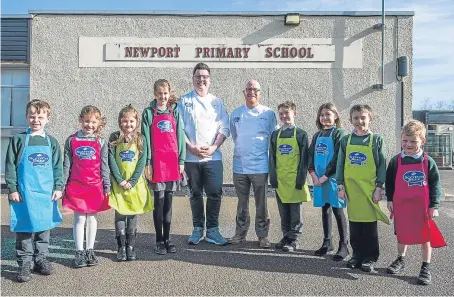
322	168
34	177
288	169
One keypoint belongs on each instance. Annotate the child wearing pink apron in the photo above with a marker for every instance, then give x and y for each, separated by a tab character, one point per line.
88	185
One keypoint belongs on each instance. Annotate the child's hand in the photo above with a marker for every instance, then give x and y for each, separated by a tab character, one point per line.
390	206
127	186
15	197
433	212
57	195
315	180
322	179
377	195
341	192
122	184
181	169
149	172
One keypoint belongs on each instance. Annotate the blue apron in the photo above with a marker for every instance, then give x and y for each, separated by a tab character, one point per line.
327	192
36	212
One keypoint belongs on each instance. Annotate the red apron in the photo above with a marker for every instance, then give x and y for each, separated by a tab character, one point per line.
84	191
411	202
164	147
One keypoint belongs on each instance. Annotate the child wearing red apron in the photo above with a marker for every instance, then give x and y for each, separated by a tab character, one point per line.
323	153
86	172
413	192
130	194
360	175
165	139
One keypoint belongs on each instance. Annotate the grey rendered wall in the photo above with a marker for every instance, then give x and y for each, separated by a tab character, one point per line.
56	77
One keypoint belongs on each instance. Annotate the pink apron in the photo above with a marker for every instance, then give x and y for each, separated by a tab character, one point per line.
84	191
411	202
164	147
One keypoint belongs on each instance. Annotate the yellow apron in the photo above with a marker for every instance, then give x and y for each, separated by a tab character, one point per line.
138	199
287	161
360	175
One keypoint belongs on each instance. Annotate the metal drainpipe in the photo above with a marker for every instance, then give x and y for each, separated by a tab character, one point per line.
383	43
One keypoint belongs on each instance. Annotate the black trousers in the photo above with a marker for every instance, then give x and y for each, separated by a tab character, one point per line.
162	214
328	222
364	240
291	218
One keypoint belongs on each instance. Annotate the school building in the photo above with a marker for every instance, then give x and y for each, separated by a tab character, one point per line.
110	59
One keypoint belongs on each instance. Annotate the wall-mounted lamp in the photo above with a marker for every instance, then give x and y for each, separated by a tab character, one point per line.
292	19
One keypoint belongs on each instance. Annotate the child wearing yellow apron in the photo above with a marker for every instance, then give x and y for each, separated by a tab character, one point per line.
130	194
361	173
288	170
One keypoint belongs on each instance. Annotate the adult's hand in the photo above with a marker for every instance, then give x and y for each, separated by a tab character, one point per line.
208	150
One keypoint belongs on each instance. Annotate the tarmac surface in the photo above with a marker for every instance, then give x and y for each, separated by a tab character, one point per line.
243	269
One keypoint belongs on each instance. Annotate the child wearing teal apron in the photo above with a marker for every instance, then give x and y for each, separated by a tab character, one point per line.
288	169
360	175
322	168
130	194
34	178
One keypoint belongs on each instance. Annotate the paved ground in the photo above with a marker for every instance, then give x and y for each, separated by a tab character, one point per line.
233	270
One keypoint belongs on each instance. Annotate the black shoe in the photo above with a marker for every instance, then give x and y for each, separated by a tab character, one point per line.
367	266
424	277
92	260
43	266
281	243
160	248
130	243
121	253
80	259
342	252
397	266
170	247
354	263
23	273
291	246
326	248
130	253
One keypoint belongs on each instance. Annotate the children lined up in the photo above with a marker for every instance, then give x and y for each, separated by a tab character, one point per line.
346	170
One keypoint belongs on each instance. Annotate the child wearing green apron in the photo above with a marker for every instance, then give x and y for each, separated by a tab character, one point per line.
130	194
361	173
288	170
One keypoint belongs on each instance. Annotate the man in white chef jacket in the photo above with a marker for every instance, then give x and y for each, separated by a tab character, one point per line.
251	126
206	125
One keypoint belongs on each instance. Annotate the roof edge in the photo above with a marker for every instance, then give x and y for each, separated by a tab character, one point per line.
16	16
218	13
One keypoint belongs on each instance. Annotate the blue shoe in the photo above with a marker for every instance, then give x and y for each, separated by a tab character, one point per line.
213	236
197	236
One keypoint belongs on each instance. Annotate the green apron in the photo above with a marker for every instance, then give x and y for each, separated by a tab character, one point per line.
360	176
138	199
287	161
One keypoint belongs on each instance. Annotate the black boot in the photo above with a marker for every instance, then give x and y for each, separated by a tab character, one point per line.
121	243
130	243
342	252
326	247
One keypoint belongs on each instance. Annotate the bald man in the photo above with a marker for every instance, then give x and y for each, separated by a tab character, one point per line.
251	126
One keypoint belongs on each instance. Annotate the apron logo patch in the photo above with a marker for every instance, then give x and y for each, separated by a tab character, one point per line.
165	126
357	158
86	152
285	149
188	104
39	159
127	156
236	119
321	149
415	178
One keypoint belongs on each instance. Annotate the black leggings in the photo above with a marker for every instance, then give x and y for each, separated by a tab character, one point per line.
125	223
328	225
162	214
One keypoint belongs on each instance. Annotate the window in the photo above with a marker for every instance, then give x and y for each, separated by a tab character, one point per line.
15	85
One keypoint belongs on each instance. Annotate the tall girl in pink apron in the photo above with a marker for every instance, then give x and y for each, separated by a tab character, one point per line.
86	172
322	168
413	192
130	194
165	138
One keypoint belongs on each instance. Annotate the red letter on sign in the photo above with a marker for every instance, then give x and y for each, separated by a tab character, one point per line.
154	51
246	51
136	52
199	51
128	52
144	51
177	51
309	54
269	52
275	54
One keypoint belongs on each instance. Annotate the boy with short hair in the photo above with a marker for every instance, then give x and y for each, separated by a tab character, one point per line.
289	160
413	192
34	178
360	175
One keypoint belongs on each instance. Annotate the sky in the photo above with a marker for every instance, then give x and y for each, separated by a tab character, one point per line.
433	54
